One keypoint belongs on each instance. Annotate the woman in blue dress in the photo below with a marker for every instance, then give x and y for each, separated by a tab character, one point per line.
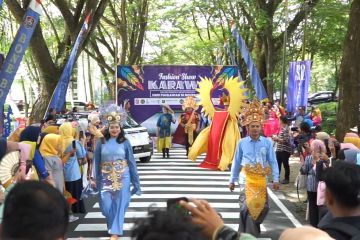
114	171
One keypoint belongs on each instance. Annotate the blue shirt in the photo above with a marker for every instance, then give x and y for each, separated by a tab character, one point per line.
71	167
164	123
251	151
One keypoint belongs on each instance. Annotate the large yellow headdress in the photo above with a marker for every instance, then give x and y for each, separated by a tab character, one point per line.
253	113
190	102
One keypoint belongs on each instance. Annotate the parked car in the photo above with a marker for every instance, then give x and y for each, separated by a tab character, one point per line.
322	97
81	106
139	139
137	135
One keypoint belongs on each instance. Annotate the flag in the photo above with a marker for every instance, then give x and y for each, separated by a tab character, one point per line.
7	124
233	62
59	95
17	50
298	85
254	74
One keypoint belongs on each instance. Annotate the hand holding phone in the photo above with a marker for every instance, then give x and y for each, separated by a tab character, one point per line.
173	205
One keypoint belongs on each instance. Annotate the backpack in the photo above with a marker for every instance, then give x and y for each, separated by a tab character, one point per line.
344	228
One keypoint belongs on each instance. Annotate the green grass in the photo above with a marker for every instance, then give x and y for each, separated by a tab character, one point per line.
328	112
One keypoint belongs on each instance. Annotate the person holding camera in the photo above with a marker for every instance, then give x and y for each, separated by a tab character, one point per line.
186	219
255	159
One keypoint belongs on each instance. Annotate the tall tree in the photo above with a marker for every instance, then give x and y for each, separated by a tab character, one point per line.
51	54
122	33
349	84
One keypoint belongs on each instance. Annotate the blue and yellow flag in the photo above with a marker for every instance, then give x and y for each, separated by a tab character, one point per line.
254	74
59	94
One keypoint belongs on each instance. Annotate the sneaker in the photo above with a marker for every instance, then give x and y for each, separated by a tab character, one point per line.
73	218
284	181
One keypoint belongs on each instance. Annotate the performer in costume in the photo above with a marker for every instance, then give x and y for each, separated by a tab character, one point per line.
254	160
220	139
271	125
114	171
164	130
186	131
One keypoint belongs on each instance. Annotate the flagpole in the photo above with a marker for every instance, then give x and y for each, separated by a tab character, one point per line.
282	89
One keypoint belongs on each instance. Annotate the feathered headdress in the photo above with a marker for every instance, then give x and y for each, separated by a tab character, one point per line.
190	102
253	113
113	114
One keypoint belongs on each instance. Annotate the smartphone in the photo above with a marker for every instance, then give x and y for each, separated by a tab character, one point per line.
74	144
172	205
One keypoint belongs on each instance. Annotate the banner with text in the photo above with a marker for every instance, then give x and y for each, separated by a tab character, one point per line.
148	87
298	85
17	50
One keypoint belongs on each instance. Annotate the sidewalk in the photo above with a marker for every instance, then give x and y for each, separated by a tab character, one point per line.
289	190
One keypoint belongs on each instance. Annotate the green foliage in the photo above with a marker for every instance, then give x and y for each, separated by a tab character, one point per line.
329	118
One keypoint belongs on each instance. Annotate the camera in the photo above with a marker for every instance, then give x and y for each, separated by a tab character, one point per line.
173	205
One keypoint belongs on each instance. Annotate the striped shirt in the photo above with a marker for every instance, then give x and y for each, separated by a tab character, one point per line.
284	145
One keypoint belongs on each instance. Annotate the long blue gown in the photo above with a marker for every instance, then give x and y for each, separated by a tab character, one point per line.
114	196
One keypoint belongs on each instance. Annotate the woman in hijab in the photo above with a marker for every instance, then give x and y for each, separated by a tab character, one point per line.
312	169
72	174
52	148
30	136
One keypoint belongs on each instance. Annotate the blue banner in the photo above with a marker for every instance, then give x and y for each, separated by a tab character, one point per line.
298	85
59	95
254	74
18	47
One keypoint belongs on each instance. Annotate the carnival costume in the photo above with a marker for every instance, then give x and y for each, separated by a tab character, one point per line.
185	133
254	160
114	171
220	139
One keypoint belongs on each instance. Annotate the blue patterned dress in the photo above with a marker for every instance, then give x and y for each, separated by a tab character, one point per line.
114	171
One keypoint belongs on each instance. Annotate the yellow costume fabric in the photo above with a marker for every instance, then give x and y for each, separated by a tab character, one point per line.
164	142
255	190
230	134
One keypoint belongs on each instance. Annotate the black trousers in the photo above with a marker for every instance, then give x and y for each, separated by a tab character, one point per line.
313	209
283	158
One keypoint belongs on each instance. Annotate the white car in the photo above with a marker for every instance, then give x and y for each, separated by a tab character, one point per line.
139	139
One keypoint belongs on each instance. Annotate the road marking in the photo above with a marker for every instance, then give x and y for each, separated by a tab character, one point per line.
169	177
168	164
90	227
185	189
206	183
283	208
142	214
177	195
163	205
154	172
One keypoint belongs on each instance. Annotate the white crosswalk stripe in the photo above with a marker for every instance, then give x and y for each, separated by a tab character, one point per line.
162	179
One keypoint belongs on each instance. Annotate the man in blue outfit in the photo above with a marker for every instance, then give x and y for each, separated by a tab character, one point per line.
254	160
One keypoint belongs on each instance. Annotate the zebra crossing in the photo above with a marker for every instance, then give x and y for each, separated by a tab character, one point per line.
162	179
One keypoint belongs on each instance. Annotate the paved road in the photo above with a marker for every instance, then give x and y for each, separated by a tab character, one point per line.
162	179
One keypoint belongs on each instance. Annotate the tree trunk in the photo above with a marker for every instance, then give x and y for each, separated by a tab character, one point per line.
349	82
